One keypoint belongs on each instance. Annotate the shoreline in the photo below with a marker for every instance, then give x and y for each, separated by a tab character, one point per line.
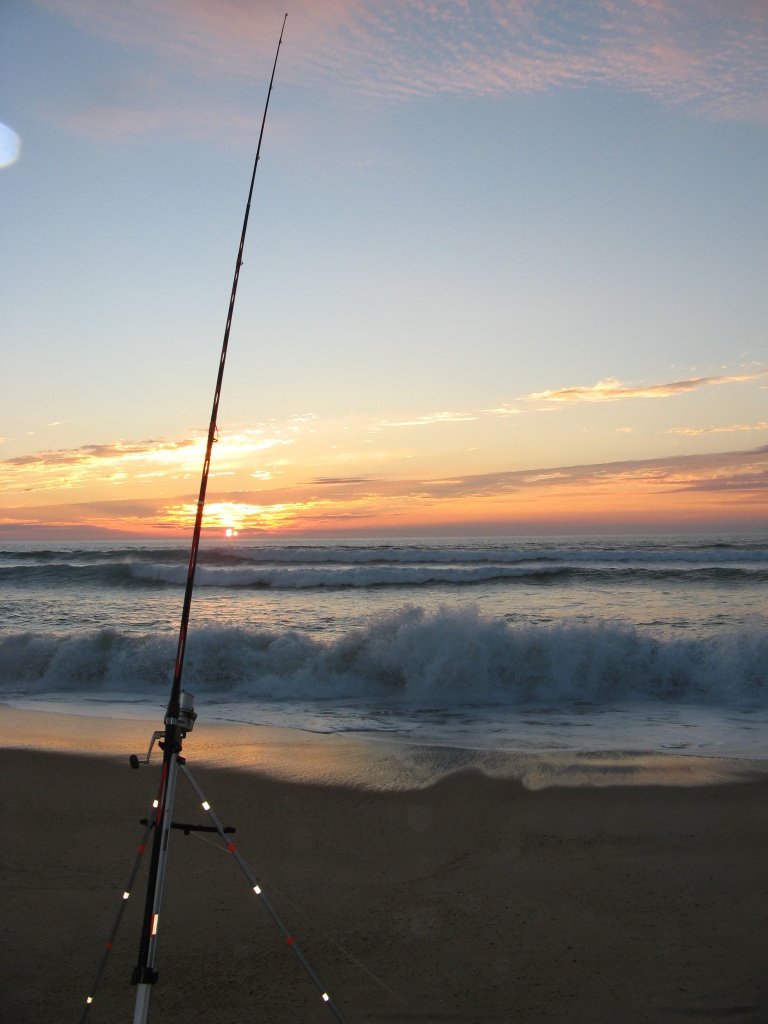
366	762
472	899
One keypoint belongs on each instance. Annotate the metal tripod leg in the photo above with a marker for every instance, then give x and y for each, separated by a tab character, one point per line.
113	934
265	901
144	984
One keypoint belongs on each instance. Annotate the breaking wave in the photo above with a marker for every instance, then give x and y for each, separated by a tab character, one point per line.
302	566
440	659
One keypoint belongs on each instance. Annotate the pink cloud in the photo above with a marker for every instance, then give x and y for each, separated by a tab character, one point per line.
701	53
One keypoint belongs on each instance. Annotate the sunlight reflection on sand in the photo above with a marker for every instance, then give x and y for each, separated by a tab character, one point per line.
370	763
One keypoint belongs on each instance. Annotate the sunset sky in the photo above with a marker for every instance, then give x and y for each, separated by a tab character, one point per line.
506	271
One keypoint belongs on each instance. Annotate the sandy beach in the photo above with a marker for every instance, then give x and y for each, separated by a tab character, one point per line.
474	899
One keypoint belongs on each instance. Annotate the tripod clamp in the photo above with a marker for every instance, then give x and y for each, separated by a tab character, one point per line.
186	829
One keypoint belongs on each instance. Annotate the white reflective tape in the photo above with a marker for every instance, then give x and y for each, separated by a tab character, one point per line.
257	890
155	918
206	805
89	999
155	803
126	895
326	997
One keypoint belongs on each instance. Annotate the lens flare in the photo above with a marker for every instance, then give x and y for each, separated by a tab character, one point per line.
10	146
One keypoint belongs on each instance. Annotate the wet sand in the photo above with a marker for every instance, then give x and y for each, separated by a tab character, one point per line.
474	899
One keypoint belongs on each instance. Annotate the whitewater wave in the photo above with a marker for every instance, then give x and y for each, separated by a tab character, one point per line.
358	553
308	577
410	657
326	574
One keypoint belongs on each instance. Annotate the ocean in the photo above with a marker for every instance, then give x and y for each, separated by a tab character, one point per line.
642	644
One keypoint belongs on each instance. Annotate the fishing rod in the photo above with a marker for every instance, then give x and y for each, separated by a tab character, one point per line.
180	714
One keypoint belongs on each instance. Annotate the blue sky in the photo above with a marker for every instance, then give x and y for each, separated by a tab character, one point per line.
487	240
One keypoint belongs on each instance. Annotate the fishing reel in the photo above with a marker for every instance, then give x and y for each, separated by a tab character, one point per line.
187	714
184	722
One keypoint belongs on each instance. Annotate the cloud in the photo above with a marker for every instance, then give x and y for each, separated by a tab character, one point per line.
669	474
736	470
732	485
436	418
331	480
429	420
502	410
695	431
610	389
142	115
703	54
95	452
121	461
740	482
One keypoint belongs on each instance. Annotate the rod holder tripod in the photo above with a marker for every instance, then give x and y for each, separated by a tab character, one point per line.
144	975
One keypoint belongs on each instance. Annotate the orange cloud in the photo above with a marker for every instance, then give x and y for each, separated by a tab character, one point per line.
728	487
610	390
695	431
120	461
